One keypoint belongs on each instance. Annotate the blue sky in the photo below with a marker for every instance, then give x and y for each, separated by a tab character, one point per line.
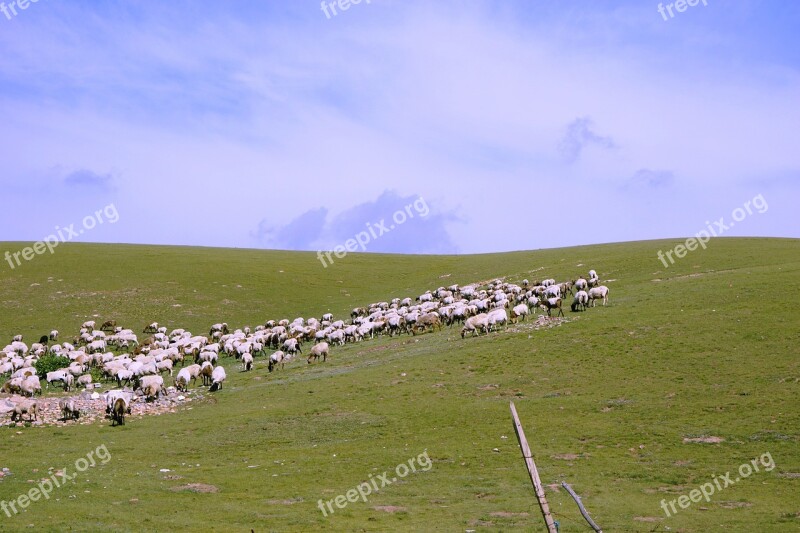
520	124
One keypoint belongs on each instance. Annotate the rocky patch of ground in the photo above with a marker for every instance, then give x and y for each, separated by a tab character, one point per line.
92	406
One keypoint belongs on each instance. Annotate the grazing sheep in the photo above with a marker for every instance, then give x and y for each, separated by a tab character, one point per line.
118	412
597	293
292	346
474	324
277	358
108	325
68	409
30	386
29	407
182	381
520	310
497	316
84	381
580	301
206	369
164	364
218	376
152	387
247	362
318	350
431	320
60	375
552	303
581	284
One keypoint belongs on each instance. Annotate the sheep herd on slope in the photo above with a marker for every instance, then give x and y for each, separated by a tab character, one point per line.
138	366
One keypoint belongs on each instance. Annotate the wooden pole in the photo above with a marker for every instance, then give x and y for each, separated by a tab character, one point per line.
537	483
581	507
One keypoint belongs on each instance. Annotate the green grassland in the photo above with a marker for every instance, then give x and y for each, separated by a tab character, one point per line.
706	347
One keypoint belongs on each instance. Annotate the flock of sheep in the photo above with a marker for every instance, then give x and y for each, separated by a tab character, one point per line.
138	366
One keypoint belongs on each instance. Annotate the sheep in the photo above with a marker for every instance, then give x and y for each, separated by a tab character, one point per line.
68	409
497	316
17	338
12	386
581	284
206	370
431	320
292	346
30	386
328	317
89	324
152	387
108	325
247	362
277	358
520	310
580	301
475	323
60	375
118	412
596	293
151	328
164	364
29	407
84	381
552	303
318	350
182	381
218	376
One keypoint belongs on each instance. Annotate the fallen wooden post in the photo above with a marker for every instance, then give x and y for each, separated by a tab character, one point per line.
581	507
537	483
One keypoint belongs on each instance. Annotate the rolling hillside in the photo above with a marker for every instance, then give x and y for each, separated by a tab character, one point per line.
610	400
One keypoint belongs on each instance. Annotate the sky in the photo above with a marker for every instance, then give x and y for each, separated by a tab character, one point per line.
408	126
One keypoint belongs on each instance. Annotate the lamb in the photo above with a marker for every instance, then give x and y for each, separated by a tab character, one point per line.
520	310
596	293
68	409
218	376
318	350
247	362
580	301
29	407
475	323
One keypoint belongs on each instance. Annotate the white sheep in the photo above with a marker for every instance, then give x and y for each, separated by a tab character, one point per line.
247	362
68	409
217	377
520	310
580	301
597	293
475	323
318	350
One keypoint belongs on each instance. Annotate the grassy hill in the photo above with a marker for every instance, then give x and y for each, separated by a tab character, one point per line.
705	348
